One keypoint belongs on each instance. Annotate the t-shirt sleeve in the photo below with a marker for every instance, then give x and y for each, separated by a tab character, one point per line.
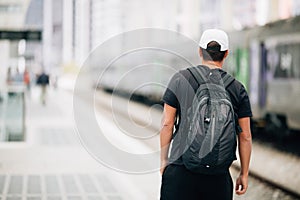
170	95
244	108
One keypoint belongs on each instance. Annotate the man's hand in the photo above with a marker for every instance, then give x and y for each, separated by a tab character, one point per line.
241	184
245	147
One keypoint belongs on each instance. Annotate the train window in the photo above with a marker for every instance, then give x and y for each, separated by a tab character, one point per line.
284	61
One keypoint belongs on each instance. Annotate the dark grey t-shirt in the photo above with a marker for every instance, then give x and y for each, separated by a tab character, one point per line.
180	94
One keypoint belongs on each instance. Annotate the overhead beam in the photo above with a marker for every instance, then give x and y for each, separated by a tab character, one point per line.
21	34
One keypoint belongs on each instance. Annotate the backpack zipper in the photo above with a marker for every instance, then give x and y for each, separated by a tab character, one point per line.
198	107
213	131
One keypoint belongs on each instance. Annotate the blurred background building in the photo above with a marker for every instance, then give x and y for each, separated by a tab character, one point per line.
73	28
86	24
19	17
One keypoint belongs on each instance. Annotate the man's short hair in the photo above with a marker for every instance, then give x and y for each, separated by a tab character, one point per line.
213	52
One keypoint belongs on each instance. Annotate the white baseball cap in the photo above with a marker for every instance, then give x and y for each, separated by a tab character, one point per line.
214	35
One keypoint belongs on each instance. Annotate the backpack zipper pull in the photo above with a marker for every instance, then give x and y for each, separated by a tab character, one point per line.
207	120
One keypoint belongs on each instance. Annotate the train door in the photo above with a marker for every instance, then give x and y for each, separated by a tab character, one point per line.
258	84
262	95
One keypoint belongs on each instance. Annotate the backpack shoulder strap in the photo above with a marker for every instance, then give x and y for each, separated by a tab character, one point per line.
201	78
228	79
197	74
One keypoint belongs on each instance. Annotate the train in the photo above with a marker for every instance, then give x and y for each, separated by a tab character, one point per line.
266	59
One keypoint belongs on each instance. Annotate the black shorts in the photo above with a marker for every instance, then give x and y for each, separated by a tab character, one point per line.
178	183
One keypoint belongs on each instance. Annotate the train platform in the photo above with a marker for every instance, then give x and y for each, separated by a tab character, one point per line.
52	163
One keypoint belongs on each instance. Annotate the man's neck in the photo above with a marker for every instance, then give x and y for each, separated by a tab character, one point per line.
212	64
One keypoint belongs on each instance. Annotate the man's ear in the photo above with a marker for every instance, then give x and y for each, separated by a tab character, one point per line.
226	53
200	53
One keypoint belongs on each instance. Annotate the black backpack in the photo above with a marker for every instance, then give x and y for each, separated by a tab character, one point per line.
211	137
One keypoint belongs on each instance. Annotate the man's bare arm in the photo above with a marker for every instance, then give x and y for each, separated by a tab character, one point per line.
245	148
166	132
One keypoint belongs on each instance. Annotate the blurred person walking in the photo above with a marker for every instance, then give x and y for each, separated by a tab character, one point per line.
9	80
9	76
210	110
26	77
43	82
